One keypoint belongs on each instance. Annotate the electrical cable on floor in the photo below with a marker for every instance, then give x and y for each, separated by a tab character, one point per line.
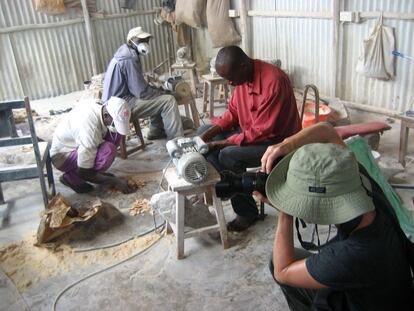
81	250
21	296
102	270
132	237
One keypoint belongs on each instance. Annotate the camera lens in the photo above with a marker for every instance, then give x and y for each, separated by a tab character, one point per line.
232	184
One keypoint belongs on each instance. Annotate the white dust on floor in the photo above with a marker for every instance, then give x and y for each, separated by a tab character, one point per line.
27	264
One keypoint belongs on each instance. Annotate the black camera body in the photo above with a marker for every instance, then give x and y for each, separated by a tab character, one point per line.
232	184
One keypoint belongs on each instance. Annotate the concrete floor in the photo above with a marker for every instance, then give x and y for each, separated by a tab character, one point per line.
209	278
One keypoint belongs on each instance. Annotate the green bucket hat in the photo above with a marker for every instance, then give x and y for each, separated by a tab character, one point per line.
319	183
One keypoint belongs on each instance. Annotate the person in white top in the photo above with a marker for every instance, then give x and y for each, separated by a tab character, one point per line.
84	144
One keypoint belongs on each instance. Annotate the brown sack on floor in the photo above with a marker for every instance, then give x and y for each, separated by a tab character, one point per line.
60	218
50	6
190	12
219	24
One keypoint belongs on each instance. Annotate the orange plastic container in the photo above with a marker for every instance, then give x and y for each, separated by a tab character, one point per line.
309	114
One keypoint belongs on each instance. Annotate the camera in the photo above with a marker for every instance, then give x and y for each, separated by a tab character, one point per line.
232	184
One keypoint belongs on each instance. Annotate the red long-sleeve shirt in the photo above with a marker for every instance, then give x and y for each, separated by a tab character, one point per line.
264	109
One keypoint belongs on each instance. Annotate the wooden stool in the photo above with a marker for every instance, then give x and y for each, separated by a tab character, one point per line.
210	82
405	127
183	189
124	152
191	70
184	97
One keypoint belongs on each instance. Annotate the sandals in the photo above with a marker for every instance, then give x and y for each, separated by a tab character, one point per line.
82	188
241	223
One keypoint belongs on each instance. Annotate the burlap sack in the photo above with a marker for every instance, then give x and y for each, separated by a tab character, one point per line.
219	24
50	6
190	12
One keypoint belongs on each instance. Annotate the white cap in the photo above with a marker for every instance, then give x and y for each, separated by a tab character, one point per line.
137	32
120	112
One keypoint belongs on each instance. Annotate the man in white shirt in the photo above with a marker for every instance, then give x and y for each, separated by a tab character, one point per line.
85	142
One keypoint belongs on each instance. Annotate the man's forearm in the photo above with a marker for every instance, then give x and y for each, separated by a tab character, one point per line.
210	133
320	133
283	248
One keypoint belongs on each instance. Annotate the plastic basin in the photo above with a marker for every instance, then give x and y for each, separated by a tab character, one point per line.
309	114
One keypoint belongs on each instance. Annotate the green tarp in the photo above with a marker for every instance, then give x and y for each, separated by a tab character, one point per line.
364	156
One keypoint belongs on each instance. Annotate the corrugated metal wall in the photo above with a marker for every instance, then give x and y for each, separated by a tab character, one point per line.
53	61
305	47
397	94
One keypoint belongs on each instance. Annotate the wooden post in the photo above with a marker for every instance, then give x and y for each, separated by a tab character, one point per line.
335	45
89	36
243	28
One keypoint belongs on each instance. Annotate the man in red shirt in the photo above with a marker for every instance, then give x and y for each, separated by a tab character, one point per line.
261	112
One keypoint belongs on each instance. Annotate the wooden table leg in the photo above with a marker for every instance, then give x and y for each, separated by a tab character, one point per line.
226	94
179	223
205	96
211	99
194	81
122	148
403	142
220	219
194	112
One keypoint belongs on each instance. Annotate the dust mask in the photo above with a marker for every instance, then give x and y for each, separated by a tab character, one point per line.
143	48
112	128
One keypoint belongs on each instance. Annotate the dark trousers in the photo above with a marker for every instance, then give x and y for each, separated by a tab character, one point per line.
237	159
298	299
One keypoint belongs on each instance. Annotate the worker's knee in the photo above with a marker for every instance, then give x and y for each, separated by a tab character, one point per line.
169	101
229	160
105	156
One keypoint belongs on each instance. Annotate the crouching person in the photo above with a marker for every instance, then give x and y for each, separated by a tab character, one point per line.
365	267
85	142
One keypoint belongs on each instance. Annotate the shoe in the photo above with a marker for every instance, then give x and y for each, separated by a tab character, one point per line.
156	134
241	223
82	188
188	124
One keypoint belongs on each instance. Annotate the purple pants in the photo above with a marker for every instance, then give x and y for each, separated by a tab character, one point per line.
105	156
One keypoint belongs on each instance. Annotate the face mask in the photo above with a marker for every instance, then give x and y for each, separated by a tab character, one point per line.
112	128
143	48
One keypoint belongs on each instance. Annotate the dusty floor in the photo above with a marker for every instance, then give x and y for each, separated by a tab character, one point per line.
209	278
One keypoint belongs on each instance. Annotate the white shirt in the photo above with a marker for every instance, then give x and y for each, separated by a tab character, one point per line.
83	128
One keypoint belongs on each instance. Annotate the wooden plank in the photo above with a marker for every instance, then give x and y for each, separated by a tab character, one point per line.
18	172
201	231
14	104
89	35
290	14
95	16
335	45
16	141
378	110
176	183
221	220
244	28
